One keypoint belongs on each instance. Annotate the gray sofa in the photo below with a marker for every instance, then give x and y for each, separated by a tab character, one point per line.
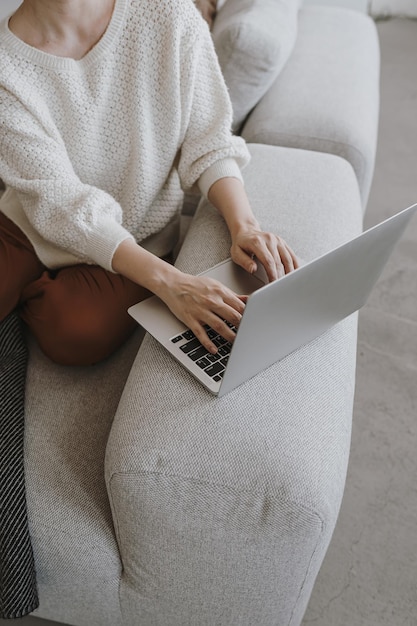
152	503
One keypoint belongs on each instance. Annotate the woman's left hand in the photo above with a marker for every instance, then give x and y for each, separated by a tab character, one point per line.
250	245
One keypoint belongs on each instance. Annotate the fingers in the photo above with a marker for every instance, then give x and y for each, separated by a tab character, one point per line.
217	327
245	260
219	316
274	257
203	302
287	256
270	250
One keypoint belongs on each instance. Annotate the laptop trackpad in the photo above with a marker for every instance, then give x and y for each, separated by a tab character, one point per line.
236	278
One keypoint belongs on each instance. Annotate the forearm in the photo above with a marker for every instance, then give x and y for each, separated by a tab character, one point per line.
229	197
249	242
143	267
195	300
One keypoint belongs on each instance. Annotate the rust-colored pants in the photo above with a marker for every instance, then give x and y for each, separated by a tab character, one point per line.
78	314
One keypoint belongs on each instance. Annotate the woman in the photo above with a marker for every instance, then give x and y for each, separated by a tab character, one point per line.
108	109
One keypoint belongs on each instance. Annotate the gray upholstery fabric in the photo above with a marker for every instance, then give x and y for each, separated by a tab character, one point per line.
253	40
68	416
327	96
224	508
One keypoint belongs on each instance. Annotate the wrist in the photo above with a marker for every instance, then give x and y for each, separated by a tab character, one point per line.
243	226
143	267
228	195
162	278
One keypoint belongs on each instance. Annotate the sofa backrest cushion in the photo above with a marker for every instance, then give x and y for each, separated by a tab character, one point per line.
253	41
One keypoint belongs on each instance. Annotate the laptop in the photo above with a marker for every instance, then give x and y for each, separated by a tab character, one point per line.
279	316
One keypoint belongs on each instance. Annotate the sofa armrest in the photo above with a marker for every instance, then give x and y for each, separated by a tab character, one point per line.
224	508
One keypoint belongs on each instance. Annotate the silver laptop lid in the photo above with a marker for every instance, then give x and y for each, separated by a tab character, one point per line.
288	313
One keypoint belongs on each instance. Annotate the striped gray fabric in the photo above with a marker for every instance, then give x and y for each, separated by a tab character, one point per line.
18	590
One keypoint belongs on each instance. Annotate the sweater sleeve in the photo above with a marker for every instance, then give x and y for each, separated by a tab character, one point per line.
78	218
209	150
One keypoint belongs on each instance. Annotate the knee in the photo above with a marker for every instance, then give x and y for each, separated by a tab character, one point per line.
76	337
72	332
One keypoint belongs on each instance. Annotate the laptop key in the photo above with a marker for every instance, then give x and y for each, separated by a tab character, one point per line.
203	363
191	345
214	369
188	334
225	350
198	353
177	339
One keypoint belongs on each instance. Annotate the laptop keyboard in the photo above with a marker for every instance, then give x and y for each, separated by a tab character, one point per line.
213	365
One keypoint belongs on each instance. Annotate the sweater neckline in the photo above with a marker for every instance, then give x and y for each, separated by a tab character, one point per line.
51	61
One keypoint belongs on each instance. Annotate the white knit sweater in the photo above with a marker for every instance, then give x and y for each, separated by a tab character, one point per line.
96	151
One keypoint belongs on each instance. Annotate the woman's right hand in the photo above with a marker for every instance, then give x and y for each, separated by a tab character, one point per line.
199	300
195	300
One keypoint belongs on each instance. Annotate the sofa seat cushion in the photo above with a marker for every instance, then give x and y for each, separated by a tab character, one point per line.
327	96
69	411
253	40
253	480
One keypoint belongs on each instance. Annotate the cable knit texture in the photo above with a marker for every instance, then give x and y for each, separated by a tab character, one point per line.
98	150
